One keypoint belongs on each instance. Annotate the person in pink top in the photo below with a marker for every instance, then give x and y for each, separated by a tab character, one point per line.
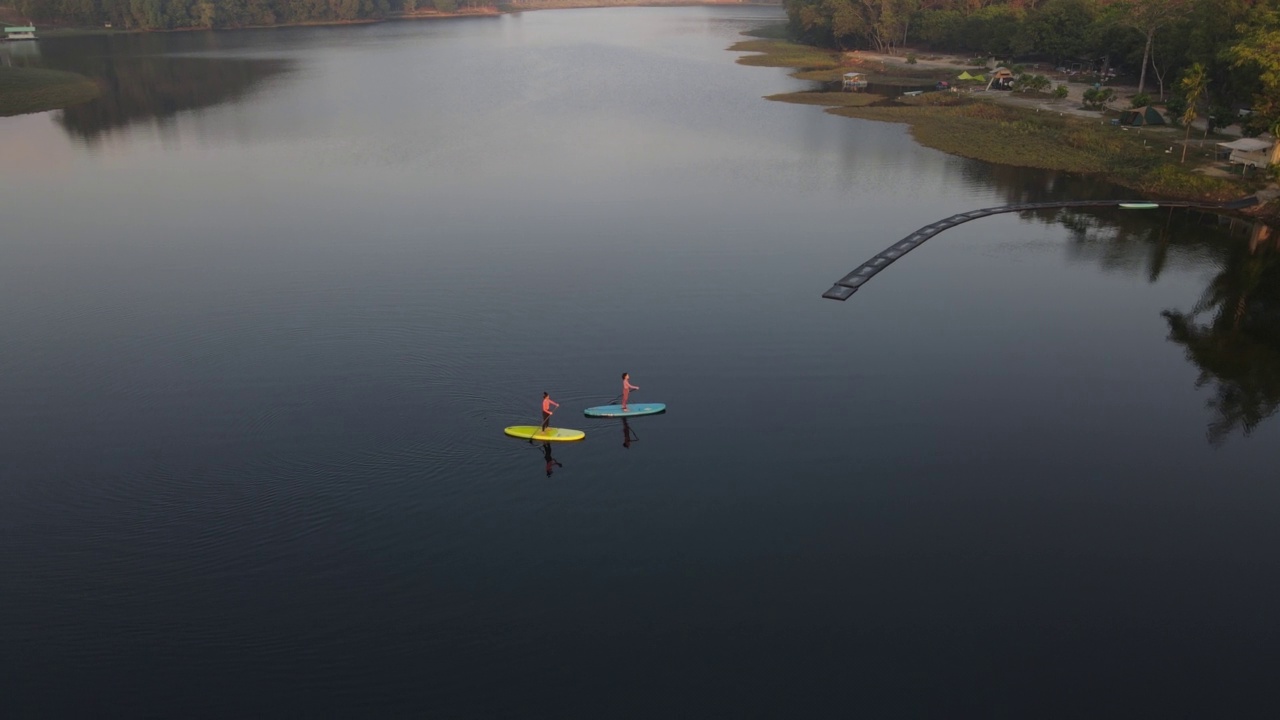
627	387
547	403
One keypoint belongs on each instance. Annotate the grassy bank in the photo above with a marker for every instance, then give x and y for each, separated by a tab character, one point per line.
1025	138
965	125
828	99
783	53
29	90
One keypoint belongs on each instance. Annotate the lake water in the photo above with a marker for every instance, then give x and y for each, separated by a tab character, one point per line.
267	306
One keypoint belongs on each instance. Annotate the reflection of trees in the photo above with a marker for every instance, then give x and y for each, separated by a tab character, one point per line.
139	89
1140	241
1232	335
1238	348
140	82
1237	345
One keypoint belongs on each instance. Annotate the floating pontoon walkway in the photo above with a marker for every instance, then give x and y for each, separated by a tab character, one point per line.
846	286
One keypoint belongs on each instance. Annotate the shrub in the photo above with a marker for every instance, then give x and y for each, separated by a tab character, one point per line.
911	58
1220	116
1175	107
1140	100
1096	98
1027	83
1061	92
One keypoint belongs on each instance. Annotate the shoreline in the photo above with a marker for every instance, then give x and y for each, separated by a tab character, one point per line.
1007	128
59	31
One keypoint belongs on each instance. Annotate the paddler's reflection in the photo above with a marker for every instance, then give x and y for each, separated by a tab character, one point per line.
551	462
628	434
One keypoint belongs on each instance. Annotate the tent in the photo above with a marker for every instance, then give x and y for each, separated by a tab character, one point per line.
965	76
1146	116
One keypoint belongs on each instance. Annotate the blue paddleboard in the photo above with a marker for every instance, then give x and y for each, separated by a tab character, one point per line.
633	409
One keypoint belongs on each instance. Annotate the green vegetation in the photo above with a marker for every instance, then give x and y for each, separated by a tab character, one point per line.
1177	181
1096	98
1026	138
828	99
174	14
781	53
1015	136
79	16
1028	83
769	32
1001	134
29	90
1237	42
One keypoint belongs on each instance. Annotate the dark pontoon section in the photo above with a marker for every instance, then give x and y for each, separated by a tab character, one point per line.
846	286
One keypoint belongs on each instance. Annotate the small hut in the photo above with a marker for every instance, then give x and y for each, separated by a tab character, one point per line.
20	32
854	81
1001	79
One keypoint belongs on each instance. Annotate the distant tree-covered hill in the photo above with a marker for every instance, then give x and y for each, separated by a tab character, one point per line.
170	14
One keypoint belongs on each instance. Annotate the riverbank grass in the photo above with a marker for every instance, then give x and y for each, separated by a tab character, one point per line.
783	53
1024	137
30	90
828	99
962	124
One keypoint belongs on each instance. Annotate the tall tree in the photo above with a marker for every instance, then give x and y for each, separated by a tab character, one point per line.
1194	86
1148	16
1057	29
1260	49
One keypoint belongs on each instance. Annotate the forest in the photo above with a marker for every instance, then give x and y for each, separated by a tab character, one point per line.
1230	48
173	14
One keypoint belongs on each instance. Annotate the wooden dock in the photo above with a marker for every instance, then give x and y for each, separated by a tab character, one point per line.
846	286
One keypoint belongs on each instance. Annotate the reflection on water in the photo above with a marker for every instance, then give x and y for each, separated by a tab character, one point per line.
19	53
142	80
551	462
155	88
1233	335
252	388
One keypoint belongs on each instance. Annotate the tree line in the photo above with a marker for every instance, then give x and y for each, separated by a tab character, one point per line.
1235	43
172	14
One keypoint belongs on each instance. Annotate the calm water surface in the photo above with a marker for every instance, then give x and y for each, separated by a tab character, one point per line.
267	306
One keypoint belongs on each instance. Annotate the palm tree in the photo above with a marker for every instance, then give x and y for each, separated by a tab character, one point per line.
1194	85
1275	146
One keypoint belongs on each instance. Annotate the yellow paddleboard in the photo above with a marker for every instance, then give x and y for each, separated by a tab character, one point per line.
551	434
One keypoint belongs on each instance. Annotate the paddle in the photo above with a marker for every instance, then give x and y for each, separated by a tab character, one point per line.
544	428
